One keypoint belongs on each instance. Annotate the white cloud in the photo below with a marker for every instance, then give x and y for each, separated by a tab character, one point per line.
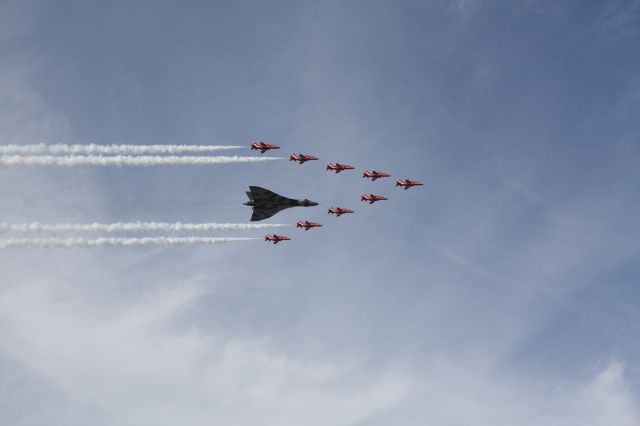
455	393
142	360
135	365
608	400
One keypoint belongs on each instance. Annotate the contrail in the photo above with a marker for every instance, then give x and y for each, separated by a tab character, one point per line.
36	227
112	242
64	149
124	160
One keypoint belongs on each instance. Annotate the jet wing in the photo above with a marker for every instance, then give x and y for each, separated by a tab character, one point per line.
260	213
267	203
257	193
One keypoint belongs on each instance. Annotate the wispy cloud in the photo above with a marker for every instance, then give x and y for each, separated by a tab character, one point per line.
465	395
152	373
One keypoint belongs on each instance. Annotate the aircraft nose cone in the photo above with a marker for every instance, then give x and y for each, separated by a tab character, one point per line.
313	203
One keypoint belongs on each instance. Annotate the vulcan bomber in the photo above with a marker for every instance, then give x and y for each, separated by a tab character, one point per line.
266	203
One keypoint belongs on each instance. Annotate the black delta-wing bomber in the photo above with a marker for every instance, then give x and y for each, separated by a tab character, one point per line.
266	203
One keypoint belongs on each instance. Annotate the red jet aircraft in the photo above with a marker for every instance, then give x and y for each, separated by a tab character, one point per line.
374	175
307	225
372	198
301	158
276	238
262	147
407	183
337	167
338	211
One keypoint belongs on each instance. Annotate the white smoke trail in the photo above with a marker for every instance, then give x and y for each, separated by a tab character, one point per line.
63	149
124	160
112	242
36	227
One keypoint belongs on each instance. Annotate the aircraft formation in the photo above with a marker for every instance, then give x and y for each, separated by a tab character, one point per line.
266	203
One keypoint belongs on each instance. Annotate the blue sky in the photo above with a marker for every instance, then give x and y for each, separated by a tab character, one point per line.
504	291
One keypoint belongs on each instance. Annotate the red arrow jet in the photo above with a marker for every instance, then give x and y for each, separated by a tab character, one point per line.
338	211
407	183
337	167
276	238
374	175
301	158
307	225
262	147
372	198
